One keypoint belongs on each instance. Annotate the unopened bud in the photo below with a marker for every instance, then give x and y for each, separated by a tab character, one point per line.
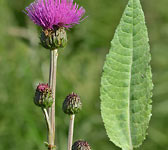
72	104
81	145
53	39
43	96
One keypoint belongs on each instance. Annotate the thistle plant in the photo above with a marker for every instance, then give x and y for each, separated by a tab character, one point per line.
126	82
54	17
71	106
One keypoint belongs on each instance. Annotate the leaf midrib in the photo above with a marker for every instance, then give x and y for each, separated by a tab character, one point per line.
129	89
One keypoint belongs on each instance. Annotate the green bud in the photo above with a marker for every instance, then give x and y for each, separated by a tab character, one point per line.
81	145
72	104
53	39
43	96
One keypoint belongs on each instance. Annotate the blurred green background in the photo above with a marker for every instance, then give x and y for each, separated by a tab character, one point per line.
24	63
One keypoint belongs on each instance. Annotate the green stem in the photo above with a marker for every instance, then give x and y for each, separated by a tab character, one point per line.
52	84
46	118
71	128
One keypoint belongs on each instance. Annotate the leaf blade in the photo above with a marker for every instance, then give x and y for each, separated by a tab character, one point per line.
126	82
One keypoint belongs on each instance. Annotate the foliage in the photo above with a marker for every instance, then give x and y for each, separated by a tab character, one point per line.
126	81
24	64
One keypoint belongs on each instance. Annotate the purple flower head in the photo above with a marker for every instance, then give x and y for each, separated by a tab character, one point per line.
42	87
55	13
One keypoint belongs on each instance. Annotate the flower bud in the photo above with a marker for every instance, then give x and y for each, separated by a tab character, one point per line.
43	96
81	145
72	104
52	39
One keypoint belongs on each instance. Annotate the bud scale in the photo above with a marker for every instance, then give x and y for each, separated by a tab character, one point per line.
81	145
43	96
72	104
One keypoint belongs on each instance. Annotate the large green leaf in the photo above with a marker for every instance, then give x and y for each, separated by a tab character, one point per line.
126	82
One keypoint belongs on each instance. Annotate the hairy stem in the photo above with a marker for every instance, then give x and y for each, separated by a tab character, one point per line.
52	84
70	135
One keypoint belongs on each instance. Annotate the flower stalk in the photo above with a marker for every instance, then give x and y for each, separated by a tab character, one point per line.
46	118
71	128
71	106
52	85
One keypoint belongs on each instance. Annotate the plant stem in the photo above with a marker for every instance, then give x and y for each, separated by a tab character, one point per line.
52	84
46	118
70	135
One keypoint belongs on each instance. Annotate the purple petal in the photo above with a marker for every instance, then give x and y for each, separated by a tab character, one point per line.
47	13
